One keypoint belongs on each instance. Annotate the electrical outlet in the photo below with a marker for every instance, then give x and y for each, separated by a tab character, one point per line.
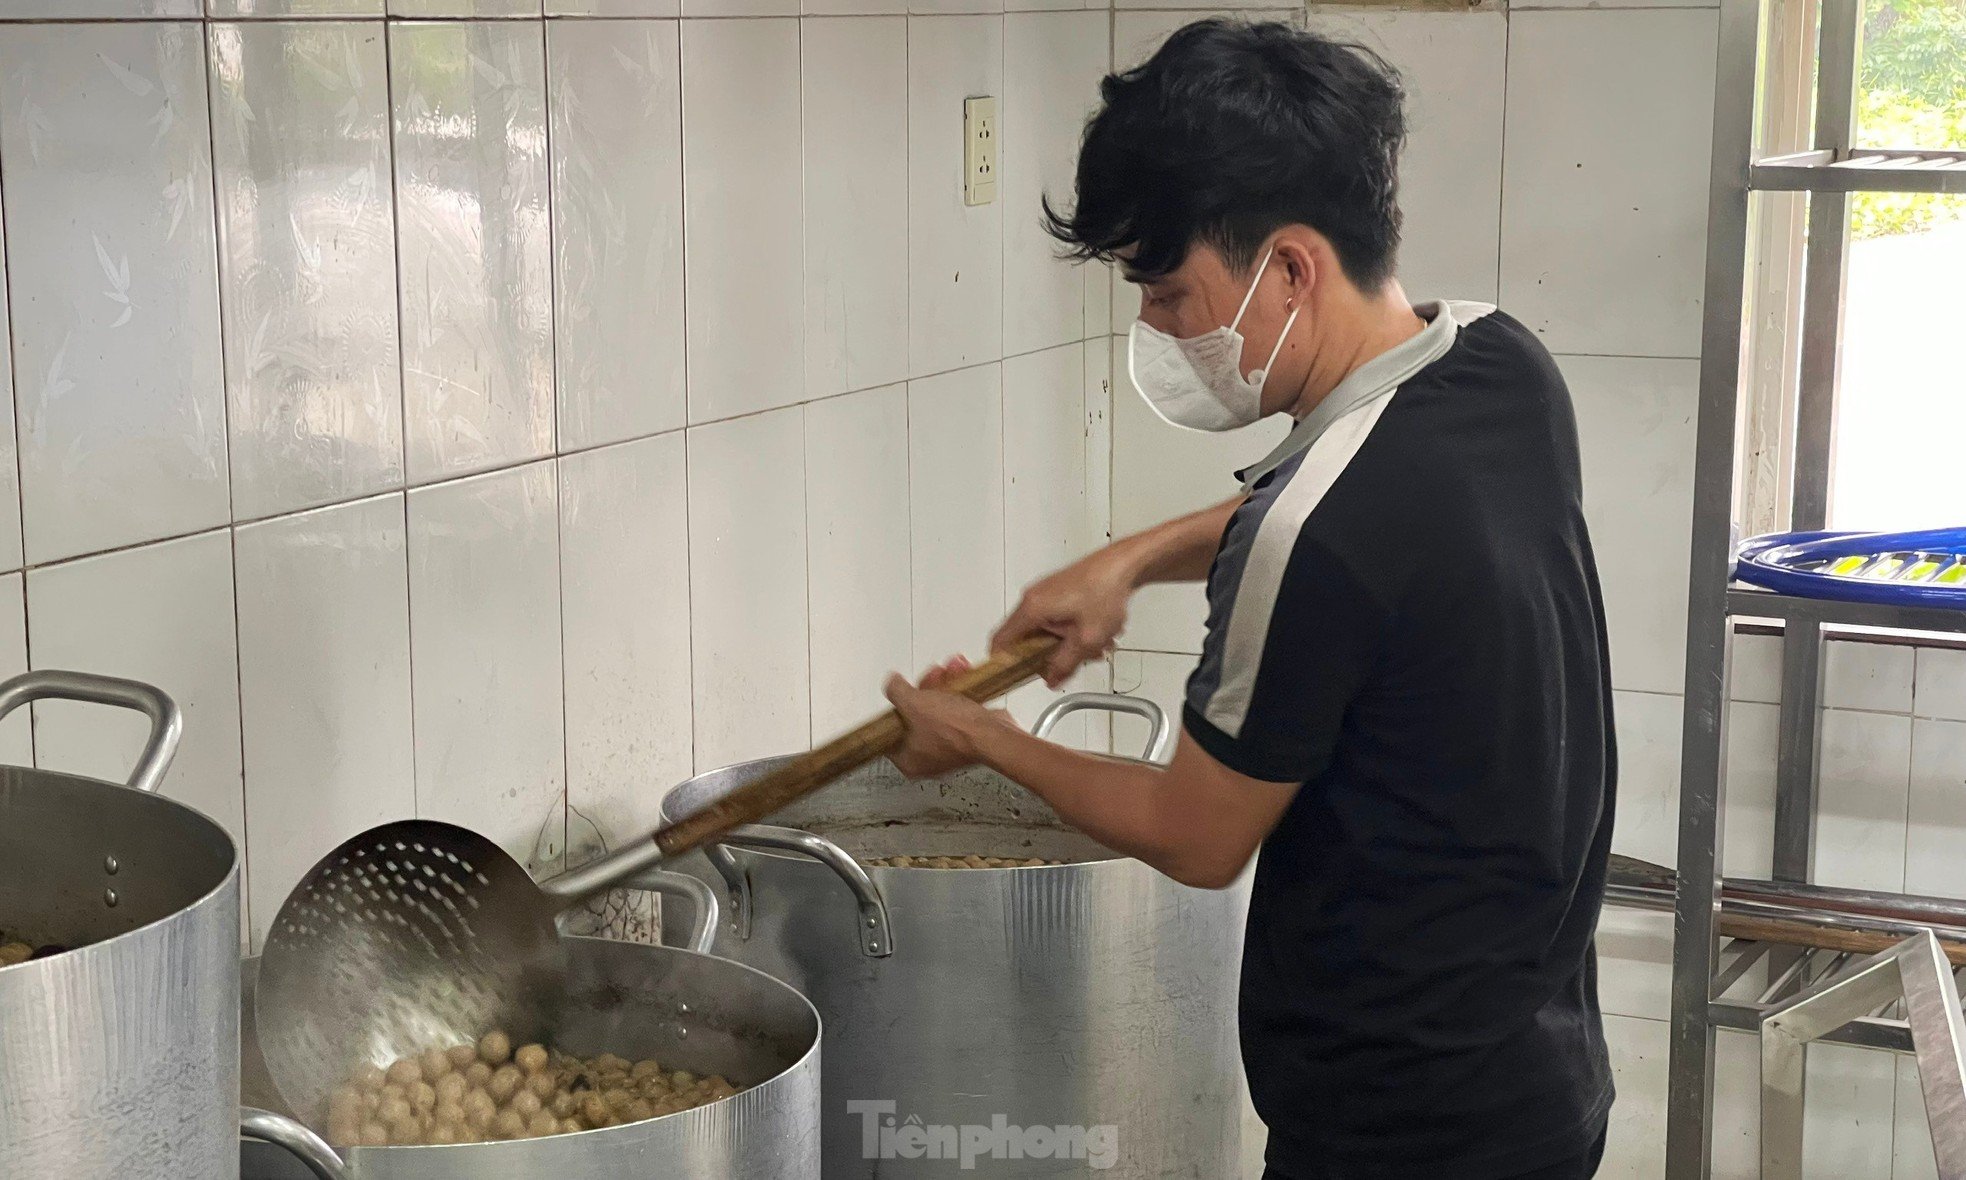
979	150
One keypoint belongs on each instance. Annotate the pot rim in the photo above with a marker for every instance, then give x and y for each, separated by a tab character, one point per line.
763	764
805	1059
228	882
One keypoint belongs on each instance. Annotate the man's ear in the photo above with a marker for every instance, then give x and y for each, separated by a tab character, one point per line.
1299	256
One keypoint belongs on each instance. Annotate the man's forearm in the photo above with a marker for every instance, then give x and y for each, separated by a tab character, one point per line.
1179	550
1108	799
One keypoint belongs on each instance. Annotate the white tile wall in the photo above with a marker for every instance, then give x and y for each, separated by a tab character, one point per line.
956	510
17	731
476	276
10	554
1603	235
485	644
743	221
300	142
164	615
858	542
1052	65
105	170
854	86
747	574
1453	64
624	601
955	251
1635	429
617	134
324	686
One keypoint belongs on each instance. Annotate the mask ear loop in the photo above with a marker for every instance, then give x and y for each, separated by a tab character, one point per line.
1263	374
1251	293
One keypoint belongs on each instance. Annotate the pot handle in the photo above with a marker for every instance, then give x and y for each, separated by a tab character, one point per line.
305	1145
875	933
708	911
1159	734
166	723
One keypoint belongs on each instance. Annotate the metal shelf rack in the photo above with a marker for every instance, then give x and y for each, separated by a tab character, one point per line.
1740	985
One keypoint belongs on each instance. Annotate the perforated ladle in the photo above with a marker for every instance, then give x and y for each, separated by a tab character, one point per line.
420	934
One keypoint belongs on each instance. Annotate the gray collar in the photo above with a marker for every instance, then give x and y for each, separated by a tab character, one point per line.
1379	377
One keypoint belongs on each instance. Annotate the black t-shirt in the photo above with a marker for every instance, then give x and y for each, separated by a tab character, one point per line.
1405	617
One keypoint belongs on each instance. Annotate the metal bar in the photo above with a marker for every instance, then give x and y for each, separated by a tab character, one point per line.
1824	270
1892	1036
1856	176
1761	604
1709	638
1789	976
1786	1030
1938	1037
1796	745
1751	953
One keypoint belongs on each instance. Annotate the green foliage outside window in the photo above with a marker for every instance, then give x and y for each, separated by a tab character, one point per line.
1911	94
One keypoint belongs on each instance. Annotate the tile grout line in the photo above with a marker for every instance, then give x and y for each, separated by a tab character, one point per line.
682	252
402	399
546	109
13	408
220	268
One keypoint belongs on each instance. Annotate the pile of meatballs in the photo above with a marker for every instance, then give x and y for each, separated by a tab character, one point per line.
957	862
488	1091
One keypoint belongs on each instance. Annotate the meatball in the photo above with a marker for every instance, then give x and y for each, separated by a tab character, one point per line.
508	1125
542	1124
530	1058
477	1074
478	1110
451	1088
435	1064
462	1056
405	1073
495	1048
504	1083
526	1103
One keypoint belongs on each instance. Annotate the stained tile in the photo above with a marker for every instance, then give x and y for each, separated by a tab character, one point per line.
624	594
1864	770
1941	684
1872	676
16	731
1048	518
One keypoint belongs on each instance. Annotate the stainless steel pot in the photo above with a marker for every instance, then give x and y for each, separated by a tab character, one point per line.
119	1058
992	1005
671	1003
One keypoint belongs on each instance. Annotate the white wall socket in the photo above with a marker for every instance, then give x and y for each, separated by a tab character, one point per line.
979	150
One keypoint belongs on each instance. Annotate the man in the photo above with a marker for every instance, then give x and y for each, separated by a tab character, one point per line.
1403	696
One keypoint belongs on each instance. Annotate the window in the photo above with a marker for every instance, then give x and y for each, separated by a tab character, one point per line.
1896	459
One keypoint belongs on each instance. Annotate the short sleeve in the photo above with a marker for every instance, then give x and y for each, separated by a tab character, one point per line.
1293	634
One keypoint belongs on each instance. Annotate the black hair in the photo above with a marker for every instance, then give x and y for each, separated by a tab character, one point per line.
1231	131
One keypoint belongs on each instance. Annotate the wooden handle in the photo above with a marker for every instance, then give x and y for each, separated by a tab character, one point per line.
1867	942
807	773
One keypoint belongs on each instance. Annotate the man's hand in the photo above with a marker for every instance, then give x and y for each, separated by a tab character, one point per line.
942	725
1083	604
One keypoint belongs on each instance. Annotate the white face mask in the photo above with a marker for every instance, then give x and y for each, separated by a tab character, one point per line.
1198	382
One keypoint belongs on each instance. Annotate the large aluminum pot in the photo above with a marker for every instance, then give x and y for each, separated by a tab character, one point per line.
707	1014
119	1058
993	1005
